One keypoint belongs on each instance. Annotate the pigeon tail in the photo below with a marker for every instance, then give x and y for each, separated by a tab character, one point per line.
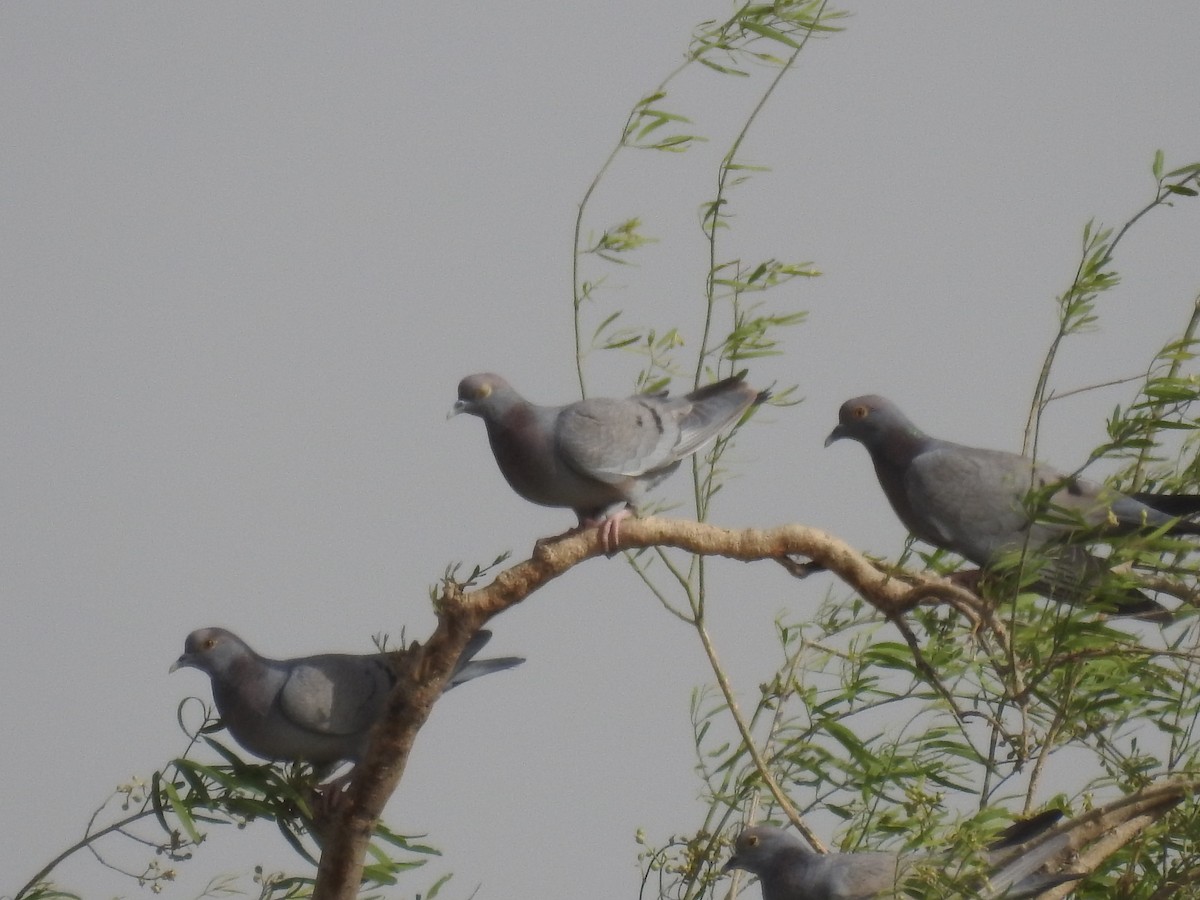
468	667
713	407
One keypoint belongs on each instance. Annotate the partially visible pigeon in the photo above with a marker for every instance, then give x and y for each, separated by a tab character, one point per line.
315	709
788	870
977	503
599	456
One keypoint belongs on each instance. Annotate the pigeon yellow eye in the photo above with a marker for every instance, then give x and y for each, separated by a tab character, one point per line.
859	412
752	840
484	390
210	643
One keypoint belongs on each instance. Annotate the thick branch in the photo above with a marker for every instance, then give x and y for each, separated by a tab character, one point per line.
422	670
422	673
554	556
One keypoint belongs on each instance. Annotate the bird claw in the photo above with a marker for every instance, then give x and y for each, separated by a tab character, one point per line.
331	796
609	530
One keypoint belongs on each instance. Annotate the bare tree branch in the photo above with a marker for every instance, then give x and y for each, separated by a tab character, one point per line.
423	670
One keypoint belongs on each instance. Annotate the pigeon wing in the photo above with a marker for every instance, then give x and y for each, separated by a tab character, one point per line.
612	440
336	694
968	500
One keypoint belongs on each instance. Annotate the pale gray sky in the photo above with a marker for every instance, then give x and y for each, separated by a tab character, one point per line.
250	250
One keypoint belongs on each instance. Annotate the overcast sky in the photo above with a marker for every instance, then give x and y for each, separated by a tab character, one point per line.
249	250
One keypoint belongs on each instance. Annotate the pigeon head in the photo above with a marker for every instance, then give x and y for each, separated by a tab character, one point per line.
485	395
873	421
762	848
211	650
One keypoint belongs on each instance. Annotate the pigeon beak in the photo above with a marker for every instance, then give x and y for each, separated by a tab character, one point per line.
836	435
460	406
182	663
731	865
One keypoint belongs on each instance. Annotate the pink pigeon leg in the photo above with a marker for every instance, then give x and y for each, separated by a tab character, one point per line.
331	794
610	529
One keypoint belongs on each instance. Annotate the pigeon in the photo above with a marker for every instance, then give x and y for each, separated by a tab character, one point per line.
788	870
599	456
977	503
315	709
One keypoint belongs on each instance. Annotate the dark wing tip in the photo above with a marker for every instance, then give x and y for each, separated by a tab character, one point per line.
1025	829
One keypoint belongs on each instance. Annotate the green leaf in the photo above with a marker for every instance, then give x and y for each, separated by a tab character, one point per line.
769	32
436	888
181	811
1190	169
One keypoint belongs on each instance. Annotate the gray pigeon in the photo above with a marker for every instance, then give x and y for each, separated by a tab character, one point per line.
788	870
316	709
974	503
600	456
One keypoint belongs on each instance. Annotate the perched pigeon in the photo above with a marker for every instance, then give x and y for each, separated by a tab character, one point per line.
788	870
317	709
599	456
974	502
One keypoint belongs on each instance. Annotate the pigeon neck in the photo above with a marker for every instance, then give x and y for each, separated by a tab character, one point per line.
502	404
900	447
509	418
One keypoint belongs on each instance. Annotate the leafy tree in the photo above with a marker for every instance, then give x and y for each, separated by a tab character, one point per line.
923	710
